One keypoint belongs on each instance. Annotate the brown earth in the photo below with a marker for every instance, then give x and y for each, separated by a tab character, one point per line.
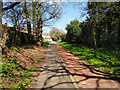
87	76
29	56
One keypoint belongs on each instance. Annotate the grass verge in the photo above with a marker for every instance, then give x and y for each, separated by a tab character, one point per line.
45	44
107	60
15	73
20	66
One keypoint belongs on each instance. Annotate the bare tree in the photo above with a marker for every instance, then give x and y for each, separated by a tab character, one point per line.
16	17
28	19
46	12
34	18
11	6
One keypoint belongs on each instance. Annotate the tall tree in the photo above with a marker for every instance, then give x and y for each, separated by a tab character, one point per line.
27	18
39	24
73	31
16	18
46	12
92	10
34	19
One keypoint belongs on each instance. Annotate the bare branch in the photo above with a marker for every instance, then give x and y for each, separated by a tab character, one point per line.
11	6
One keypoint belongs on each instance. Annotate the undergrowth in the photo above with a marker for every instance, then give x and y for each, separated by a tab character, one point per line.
14	73
45	44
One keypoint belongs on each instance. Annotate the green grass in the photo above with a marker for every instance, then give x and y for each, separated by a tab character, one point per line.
25	50
10	67
14	48
45	44
107	60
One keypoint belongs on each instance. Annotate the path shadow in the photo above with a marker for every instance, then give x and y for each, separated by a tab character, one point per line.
76	69
55	71
61	71
94	70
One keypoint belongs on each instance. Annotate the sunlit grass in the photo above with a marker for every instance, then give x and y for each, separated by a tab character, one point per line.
45	44
107	60
12	70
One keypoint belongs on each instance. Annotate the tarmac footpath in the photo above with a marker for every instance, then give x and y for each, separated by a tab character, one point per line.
54	73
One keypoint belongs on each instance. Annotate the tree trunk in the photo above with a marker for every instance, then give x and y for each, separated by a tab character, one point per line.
93	37
38	20
34	20
118	32
15	33
39	25
15	38
28	20
109	33
1	4
4	35
95	44
98	37
40	33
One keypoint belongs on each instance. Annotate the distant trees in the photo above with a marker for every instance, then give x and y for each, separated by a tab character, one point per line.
56	34
73	31
101	28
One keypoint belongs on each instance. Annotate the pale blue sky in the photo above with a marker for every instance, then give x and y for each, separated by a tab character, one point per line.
69	13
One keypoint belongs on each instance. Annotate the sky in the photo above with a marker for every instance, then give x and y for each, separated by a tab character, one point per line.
69	13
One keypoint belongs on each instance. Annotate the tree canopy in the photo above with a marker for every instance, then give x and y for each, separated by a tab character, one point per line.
101	28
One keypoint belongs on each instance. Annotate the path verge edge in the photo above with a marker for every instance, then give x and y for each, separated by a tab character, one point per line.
71	77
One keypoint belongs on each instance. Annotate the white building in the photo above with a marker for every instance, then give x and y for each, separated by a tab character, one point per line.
47	38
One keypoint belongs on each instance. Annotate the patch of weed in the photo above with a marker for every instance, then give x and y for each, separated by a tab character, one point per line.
14	48
38	60
10	67
25	50
45	44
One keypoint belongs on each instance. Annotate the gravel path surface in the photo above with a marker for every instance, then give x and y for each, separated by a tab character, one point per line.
54	74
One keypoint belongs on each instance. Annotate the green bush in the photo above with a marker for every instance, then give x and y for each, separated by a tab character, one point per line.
45	44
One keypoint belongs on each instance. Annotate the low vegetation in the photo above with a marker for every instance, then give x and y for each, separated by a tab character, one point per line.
45	44
107	60
14	74
20	65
